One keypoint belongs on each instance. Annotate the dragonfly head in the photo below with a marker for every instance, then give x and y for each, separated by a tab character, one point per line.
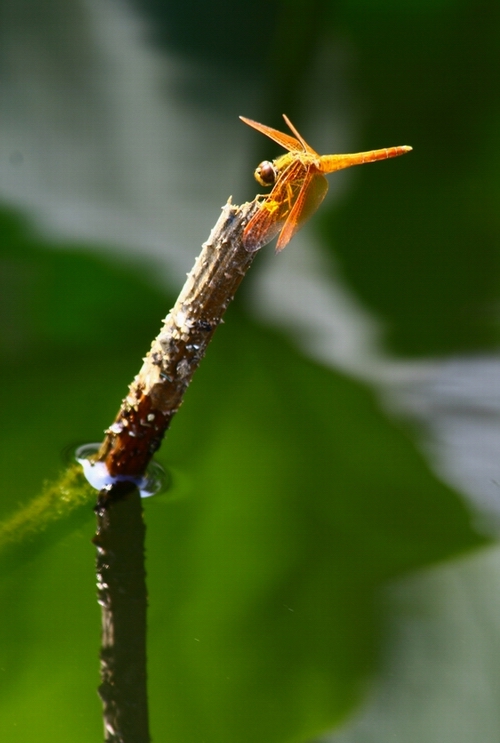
266	173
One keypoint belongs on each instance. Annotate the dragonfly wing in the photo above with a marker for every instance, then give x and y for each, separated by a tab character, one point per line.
301	139
275	209
261	229
285	140
312	193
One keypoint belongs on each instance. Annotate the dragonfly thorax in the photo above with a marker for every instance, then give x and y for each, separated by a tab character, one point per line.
266	173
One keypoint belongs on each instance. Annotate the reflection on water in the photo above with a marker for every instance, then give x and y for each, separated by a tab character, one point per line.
153	482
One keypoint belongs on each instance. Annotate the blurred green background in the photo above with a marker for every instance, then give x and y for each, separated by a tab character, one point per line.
322	567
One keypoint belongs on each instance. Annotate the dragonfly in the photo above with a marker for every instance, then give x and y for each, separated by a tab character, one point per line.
298	184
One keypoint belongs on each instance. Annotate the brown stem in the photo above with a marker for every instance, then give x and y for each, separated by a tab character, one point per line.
157	391
145	414
121	584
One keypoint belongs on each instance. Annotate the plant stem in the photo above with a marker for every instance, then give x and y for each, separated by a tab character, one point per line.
121	583
156	393
144	416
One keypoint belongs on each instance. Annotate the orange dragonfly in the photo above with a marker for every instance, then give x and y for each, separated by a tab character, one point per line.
298	184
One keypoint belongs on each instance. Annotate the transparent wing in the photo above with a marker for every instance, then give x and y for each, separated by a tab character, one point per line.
261	229
312	192
301	139
285	140
276	208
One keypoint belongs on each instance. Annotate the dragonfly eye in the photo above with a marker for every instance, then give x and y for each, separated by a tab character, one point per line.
265	173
